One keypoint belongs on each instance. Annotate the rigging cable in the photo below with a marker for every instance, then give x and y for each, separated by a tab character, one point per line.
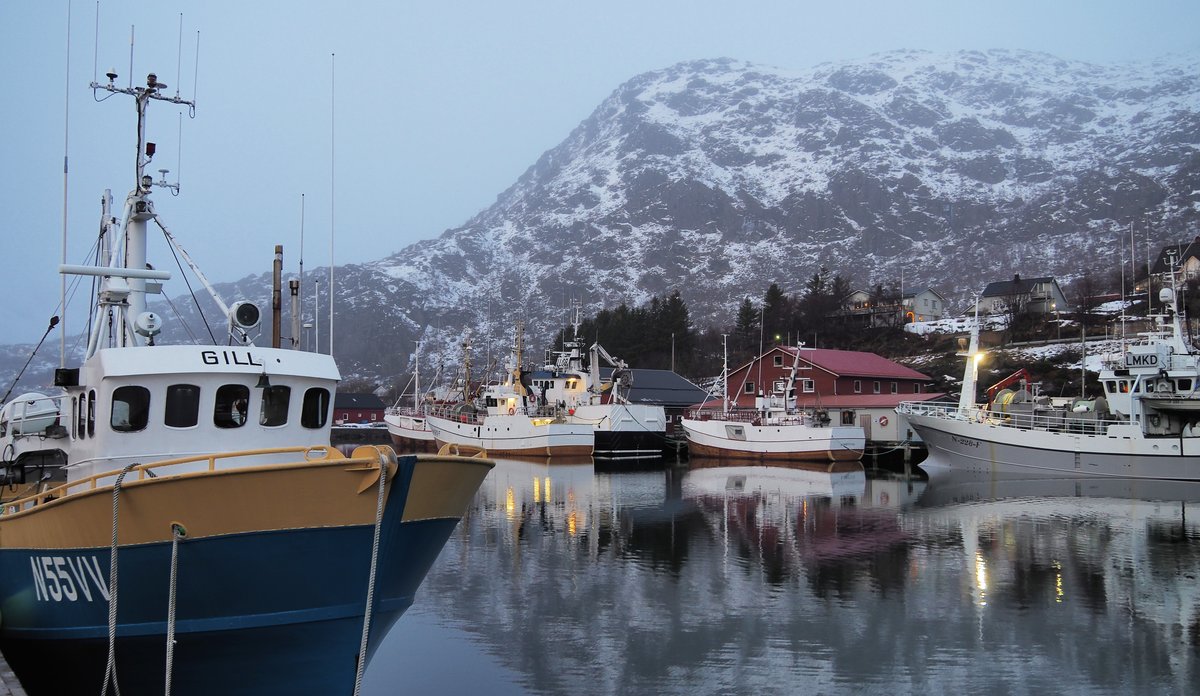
53	323
183	274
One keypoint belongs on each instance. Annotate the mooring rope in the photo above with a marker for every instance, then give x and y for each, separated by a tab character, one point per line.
178	531
366	630
110	669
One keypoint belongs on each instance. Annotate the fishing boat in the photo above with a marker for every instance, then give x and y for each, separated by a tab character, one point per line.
176	520
507	420
774	430
623	431
1145	425
406	424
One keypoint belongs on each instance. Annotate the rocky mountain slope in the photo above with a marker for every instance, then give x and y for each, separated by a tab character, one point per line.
719	177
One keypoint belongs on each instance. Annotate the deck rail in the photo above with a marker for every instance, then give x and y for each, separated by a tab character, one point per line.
1086	423
209	462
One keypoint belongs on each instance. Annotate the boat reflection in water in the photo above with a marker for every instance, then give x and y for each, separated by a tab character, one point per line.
777	580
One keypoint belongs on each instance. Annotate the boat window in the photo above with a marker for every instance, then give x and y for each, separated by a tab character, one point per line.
233	401
275	405
130	409
183	406
1183	385
91	413
1110	386
315	411
81	418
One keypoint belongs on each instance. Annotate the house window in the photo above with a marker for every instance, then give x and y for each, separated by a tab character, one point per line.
847	417
274	409
130	409
315	409
233	402
858	386
778	361
749	388
779	386
183	406
809	386
876	387
895	388
917	388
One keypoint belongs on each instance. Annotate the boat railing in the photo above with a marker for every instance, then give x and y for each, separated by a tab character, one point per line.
751	416
196	464
1051	420
454	412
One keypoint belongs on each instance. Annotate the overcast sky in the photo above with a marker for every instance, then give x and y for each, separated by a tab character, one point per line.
439	106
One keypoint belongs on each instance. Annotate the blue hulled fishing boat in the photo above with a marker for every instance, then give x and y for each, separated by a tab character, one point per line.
175	520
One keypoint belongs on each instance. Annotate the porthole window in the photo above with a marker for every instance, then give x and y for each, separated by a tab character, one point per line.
130	409
183	406
315	411
232	404
274	405
91	413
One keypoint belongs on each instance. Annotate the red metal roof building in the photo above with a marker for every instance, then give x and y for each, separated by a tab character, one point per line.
855	387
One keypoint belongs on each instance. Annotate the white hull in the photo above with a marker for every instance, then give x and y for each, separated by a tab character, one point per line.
982	447
410	432
783	442
515	435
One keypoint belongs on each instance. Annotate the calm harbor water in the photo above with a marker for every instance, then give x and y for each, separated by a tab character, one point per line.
565	580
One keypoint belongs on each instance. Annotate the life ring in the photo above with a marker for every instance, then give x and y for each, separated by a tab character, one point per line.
511	410
883	420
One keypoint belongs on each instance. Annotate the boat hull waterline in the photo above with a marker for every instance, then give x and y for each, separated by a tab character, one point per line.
982	448
271	586
515	436
744	441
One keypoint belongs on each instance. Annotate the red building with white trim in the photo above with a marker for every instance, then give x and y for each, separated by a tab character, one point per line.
853	387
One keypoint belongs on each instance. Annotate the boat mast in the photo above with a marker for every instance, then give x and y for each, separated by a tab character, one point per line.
122	308
966	399
417	377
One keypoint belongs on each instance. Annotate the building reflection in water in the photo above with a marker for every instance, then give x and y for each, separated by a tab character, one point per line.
714	579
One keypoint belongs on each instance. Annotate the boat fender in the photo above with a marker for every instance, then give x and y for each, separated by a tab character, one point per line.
511	410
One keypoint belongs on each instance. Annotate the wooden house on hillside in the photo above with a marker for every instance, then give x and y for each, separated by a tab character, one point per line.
852	387
1022	296
920	304
1181	257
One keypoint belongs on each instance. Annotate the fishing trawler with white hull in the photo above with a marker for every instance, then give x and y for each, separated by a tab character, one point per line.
774	431
507	421
1146	425
178	513
623	430
406	425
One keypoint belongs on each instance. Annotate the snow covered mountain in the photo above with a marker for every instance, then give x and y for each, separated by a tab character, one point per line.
719	177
